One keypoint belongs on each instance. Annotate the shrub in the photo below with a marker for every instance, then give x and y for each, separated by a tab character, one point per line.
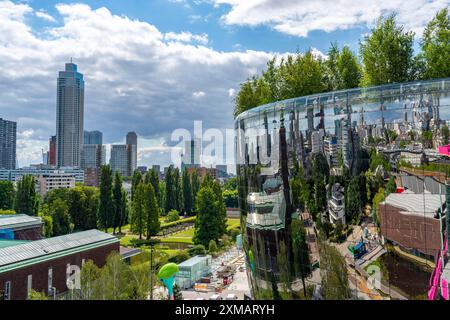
181	256
198	249
172	216
212	248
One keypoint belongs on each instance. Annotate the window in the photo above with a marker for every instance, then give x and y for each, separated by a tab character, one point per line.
7	293
29	284
50	278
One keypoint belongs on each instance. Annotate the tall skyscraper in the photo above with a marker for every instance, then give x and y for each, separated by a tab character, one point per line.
132	141
69	117
123	159
132	138
93	137
8	135
191	156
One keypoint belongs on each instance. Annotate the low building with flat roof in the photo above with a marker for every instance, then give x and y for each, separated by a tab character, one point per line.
20	227
42	265
192	270
412	221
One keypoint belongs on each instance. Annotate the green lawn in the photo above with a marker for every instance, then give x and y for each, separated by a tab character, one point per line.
233	223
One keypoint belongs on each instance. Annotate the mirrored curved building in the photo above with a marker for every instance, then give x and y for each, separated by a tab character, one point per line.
343	194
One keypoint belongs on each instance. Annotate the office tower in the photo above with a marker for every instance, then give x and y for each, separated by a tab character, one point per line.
8	135
317	141
52	151
93	156
123	159
69	117
191	156
132	141
93	137
132	138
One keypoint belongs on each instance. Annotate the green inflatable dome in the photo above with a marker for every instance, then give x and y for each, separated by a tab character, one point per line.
168	270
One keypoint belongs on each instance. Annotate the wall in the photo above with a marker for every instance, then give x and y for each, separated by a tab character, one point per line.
39	271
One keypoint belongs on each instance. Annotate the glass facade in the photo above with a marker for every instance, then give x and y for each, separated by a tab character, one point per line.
336	184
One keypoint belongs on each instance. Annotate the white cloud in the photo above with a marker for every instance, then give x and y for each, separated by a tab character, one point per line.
299	17
199	94
45	16
135	78
187	37
231	92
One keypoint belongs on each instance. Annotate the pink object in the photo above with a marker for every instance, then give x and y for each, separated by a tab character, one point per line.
444	289
444	150
436	277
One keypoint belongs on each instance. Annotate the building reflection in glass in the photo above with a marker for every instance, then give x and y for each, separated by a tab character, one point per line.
280	146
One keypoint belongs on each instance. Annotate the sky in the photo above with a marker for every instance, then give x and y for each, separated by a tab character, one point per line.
153	66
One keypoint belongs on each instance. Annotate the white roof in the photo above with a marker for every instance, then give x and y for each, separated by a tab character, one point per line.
423	204
15	221
45	247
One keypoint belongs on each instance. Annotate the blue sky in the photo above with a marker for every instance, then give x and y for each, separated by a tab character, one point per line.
203	17
154	66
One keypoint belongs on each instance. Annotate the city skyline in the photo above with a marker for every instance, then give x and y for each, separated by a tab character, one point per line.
206	62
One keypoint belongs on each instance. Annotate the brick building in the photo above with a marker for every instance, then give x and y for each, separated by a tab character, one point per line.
412	222
42	265
21	226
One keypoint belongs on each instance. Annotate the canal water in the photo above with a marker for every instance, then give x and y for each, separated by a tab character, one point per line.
405	275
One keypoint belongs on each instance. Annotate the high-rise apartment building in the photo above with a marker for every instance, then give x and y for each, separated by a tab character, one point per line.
93	156
8	135
123	159
131	140
69	117
93	137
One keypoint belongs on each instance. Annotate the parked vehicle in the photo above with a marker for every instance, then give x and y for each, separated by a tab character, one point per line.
215	297
231	296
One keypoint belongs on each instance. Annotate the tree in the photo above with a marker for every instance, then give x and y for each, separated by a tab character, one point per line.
188	203
6	195
151	211
302	263
208	226
106	206
387	53
445	134
353	202
170	199
178	193
349	69
124	211
117	202
195	183
26	200
59	212
335	285
212	247
153	178
436	46
391	186
138	210
332	72
88	277
135	180
47	230
284	267
113	281
172	216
